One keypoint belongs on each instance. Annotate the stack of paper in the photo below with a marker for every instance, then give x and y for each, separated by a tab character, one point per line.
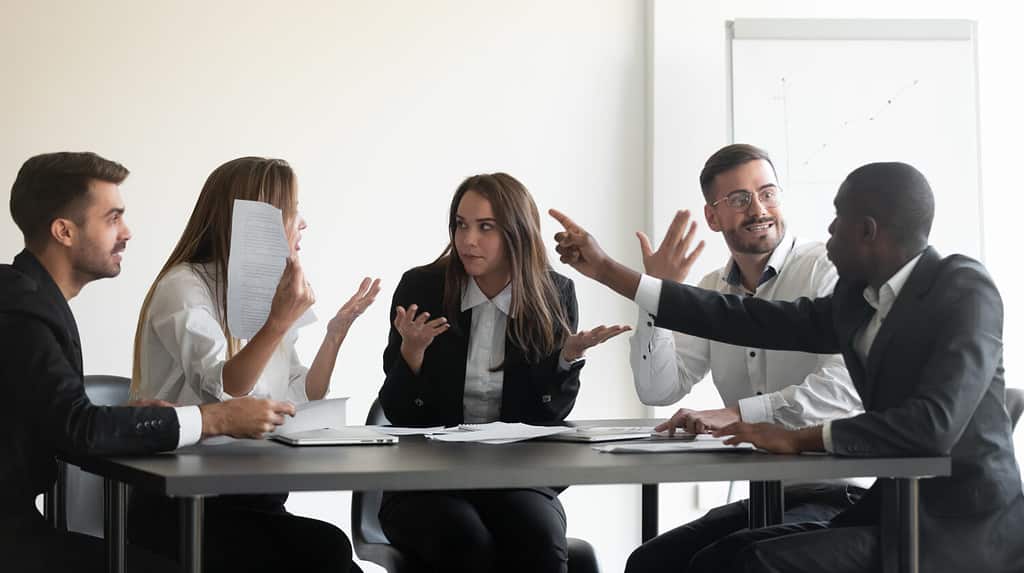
497	433
315	415
701	443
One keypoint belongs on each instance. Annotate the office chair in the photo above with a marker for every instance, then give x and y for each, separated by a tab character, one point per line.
76	502
372	545
1014	404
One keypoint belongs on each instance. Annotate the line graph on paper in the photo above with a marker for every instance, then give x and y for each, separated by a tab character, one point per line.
823	108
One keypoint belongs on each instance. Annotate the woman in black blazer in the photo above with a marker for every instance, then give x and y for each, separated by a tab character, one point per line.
485	333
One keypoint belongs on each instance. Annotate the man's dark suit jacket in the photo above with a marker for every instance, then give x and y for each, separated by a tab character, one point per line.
932	386
532	393
46	409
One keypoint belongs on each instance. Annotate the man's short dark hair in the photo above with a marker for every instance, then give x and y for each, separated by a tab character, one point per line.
728	158
897	196
55	185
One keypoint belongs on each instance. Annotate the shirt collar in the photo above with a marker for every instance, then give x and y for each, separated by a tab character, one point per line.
472	297
771	270
882	299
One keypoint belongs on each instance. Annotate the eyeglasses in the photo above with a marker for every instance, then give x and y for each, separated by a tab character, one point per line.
740	200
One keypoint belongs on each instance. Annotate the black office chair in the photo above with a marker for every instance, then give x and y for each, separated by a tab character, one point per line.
76	502
372	545
1014	404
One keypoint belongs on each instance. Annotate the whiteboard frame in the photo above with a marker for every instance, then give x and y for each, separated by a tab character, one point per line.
860	29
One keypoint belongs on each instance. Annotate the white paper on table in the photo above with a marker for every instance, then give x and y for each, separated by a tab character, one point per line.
407	431
498	433
315	415
701	444
259	251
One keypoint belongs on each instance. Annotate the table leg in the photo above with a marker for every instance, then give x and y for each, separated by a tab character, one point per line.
909	540
765	506
114	494
191	534
648	511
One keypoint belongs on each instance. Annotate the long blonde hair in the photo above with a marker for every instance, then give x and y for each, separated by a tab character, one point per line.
207	236
541	324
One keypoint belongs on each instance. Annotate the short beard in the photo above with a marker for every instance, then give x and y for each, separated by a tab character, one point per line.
756	247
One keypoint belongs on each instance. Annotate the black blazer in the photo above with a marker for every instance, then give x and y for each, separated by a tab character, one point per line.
43	387
532	393
933	385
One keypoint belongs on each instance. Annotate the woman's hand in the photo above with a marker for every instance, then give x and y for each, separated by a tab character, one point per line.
578	343
293	297
417	333
355	306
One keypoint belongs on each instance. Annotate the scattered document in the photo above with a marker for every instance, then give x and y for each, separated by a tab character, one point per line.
259	251
408	431
315	415
497	433
701	443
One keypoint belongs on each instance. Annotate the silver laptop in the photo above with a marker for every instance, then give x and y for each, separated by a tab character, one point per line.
346	436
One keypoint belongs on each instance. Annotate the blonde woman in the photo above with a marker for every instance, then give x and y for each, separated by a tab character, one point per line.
185	354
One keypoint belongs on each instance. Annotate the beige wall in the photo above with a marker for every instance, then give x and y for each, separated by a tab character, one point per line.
382	107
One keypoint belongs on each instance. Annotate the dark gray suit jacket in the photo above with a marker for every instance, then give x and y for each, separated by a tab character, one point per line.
933	385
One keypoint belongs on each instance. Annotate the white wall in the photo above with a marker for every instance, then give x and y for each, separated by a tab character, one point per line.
690	118
382	107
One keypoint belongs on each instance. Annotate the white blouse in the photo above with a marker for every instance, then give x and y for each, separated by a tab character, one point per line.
184	348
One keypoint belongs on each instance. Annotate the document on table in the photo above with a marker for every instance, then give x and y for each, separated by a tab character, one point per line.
408	431
497	433
701	443
259	250
315	415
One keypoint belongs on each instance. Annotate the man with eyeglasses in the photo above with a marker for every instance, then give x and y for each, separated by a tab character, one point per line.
794	389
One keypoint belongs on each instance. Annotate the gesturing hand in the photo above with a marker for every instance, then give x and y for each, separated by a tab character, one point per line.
417	333
671	261
578	248
577	344
355	306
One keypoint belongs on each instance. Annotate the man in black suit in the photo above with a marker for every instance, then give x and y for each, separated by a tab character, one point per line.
922	338
70	211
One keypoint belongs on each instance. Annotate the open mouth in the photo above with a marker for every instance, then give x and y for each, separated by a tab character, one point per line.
759	227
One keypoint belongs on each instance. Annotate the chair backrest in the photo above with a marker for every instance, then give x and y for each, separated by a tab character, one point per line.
83	491
366	504
1014	404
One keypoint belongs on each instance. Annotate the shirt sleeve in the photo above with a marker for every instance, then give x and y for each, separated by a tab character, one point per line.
297	372
190	425
648	294
826	437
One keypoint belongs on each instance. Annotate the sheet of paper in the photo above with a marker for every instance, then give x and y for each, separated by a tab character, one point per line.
315	415
700	444
259	250
406	431
498	433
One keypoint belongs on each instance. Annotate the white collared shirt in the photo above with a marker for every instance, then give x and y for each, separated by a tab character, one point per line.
880	299
481	401
184	348
795	389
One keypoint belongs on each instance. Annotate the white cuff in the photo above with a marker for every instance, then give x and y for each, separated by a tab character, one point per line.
648	294
190	425
826	436
566	365
756	409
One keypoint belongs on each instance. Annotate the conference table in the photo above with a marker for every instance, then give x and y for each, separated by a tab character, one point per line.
416	463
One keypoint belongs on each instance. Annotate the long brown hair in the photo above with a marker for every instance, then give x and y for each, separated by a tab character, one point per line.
207	236
539	325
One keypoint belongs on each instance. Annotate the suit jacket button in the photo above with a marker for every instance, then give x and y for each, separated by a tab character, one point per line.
418	402
545	398
138	426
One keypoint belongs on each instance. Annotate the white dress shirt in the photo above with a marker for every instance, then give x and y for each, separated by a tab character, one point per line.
481	399
881	300
184	349
795	389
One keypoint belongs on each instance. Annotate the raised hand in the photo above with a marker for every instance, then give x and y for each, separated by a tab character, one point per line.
672	261
355	306
293	297
577	344
699	421
578	248
244	417
417	333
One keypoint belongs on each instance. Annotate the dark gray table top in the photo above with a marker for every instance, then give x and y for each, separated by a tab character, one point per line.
261	466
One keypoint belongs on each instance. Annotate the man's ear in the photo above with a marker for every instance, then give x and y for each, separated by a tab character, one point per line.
63	231
712	218
869	229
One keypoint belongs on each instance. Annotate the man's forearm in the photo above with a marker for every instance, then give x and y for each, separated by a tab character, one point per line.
620	278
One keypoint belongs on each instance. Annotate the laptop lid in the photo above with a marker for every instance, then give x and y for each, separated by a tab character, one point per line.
345	436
